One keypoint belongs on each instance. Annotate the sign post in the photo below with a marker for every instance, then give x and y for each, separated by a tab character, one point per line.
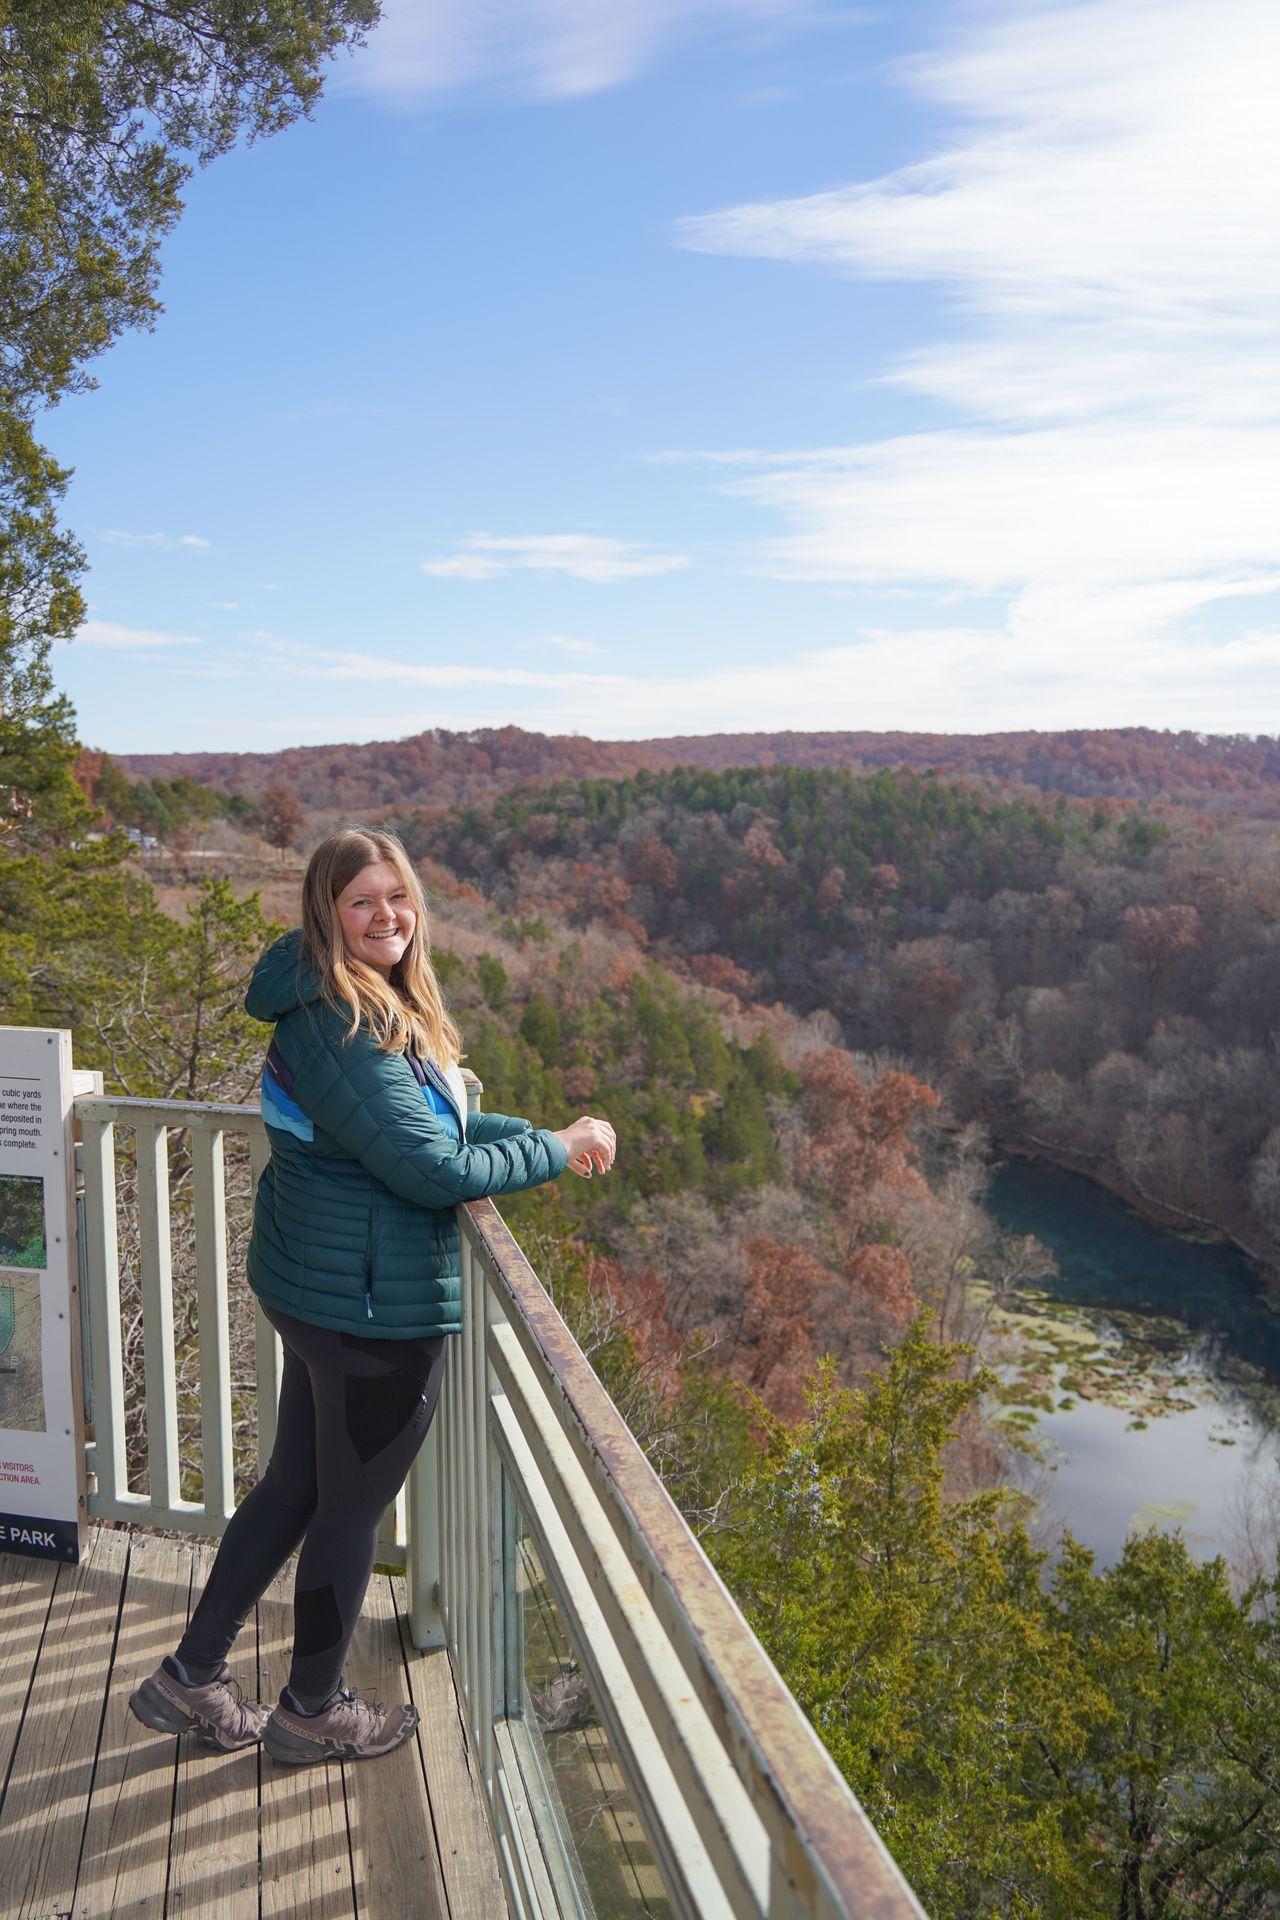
42	1457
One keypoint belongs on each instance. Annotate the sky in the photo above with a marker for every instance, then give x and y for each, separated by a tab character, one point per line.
646	367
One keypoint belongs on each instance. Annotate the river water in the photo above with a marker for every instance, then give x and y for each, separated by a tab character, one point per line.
1146	1373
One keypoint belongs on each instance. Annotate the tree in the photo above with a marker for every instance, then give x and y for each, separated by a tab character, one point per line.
1179	1780
859	1139
106	106
912	1632
1157	936
282	819
1082	1746
157	1004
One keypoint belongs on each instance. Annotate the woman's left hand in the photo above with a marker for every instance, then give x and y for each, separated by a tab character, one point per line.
598	1152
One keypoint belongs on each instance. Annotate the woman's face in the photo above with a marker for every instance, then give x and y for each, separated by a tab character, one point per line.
377	917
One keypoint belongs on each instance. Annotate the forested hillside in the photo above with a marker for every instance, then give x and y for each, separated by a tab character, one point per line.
1084	977
1238	773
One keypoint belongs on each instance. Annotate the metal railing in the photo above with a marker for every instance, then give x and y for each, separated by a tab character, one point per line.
638	1751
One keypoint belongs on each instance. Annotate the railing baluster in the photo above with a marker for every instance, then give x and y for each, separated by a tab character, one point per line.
512	1701
268	1348
156	1264
268	1365
108	1460
488	1537
390	1545
468	1555
215	1351
451	1468
423	1535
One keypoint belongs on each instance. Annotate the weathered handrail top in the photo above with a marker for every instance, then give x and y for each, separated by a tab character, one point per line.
234	1116
751	1707
129	1108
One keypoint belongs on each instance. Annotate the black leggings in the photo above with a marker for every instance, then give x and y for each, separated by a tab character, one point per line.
353	1414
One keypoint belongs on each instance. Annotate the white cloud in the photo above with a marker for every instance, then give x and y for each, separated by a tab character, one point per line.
582	556
1105	233
114	537
106	633
947	680
298	658
552	49
566	644
225	606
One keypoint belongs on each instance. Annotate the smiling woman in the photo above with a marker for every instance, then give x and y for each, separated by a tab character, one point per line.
355	1260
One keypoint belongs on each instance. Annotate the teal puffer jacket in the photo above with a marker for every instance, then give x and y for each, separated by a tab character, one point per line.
353	1223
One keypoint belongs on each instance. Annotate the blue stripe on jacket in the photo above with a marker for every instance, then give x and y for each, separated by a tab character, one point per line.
280	1109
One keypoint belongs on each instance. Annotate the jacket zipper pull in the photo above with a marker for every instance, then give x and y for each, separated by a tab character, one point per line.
368	1305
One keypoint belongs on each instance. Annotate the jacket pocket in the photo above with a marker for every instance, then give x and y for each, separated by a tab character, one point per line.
368	1262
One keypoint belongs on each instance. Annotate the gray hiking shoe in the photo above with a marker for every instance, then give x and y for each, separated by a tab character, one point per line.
347	1729
218	1712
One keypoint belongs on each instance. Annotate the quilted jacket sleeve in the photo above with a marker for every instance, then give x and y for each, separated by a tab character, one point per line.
371	1105
485	1127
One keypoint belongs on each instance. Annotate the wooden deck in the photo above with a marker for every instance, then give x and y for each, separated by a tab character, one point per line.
99	1815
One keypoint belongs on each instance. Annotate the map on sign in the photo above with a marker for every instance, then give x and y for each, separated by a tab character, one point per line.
21	1368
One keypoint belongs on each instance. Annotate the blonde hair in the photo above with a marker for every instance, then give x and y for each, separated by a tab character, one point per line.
406	1011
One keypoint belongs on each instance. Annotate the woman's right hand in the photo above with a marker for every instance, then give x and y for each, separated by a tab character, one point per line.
591	1143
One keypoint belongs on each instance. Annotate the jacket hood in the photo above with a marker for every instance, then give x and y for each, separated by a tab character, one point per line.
282	980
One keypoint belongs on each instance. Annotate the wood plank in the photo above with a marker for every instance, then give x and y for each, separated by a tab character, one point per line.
393	1841
26	1588
54	1757
467	1858
306	1863
214	1852
124	1865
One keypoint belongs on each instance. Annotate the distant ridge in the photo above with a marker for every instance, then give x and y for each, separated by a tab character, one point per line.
440	768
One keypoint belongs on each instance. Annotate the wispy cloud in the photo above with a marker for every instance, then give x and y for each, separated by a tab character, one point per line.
225	606
963	679
565	643
551	49
298	658
114	537
1112	384
582	556
106	633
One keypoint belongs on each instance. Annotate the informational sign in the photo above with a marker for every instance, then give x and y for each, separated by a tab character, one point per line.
42	1471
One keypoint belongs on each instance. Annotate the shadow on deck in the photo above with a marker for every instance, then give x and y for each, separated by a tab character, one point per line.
99	1815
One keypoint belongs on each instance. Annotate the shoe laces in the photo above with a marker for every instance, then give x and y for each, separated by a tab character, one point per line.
350	1696
238	1699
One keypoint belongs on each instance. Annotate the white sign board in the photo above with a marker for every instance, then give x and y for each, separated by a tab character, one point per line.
42	1472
